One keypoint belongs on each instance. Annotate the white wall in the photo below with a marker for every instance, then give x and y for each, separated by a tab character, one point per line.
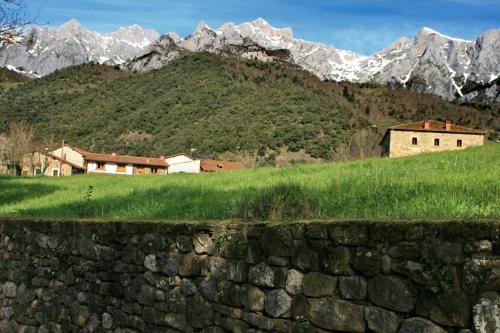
185	167
71	155
110	168
178	159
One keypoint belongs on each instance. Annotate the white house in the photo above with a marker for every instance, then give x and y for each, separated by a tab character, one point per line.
182	163
124	164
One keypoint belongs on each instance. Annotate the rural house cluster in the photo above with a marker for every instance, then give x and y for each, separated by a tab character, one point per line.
68	161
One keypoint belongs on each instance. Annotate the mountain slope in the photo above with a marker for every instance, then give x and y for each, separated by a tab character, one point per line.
45	50
222	104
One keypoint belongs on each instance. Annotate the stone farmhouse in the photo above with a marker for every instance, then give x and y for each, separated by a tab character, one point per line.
68	161
428	136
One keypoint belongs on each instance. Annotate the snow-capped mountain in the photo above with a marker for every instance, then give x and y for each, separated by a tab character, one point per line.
432	62
45	50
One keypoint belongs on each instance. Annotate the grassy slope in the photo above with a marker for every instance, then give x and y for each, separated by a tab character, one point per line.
221	104
458	185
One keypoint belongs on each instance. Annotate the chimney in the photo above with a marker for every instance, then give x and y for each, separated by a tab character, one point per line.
113	154
447	125
427	124
162	157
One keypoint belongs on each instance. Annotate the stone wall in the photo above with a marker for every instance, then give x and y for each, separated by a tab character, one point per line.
401	142
316	277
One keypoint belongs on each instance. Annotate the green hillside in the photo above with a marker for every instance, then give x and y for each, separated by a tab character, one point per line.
451	185
10	79
220	105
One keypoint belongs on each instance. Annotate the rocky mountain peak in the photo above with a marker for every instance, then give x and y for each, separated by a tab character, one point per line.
72	24
71	44
431	62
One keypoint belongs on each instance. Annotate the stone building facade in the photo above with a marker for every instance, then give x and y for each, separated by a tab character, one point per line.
428	136
392	277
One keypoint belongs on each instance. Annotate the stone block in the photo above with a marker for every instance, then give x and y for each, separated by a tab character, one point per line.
367	261
203	244
254	298
349	234
278	303
184	243
450	308
276	241
189	266
150	263
414	325
9	289
237	271
405	250
391	292
336	260
486	313
337	315
294	282
261	275
380	320
169	267
319	285
304	258
352	288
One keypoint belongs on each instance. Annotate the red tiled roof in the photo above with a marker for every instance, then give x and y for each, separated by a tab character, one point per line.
435	126
211	166
125	159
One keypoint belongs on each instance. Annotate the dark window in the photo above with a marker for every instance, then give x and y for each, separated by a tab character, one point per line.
101	166
459	143
55	173
414	141
436	142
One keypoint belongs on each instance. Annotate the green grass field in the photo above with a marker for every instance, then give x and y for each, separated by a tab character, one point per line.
451	185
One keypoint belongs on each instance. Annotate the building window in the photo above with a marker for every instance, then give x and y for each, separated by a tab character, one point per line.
101	166
55	173
38	171
121	168
414	141
154	171
436	142
459	143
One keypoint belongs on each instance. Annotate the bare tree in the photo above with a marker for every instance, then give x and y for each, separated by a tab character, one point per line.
15	144
13	20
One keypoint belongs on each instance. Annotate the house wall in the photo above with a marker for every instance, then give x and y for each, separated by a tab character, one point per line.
109	168
401	142
64	169
185	167
71	155
32	161
178	159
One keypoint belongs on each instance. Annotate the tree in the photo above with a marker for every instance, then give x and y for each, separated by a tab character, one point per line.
13	20
15	144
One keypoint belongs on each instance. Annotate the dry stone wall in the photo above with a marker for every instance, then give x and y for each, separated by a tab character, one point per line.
314	277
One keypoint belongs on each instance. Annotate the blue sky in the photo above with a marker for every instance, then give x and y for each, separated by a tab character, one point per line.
363	26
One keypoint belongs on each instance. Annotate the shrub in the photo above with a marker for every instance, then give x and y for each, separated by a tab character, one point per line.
282	202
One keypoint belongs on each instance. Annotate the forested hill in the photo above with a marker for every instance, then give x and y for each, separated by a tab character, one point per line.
220	104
